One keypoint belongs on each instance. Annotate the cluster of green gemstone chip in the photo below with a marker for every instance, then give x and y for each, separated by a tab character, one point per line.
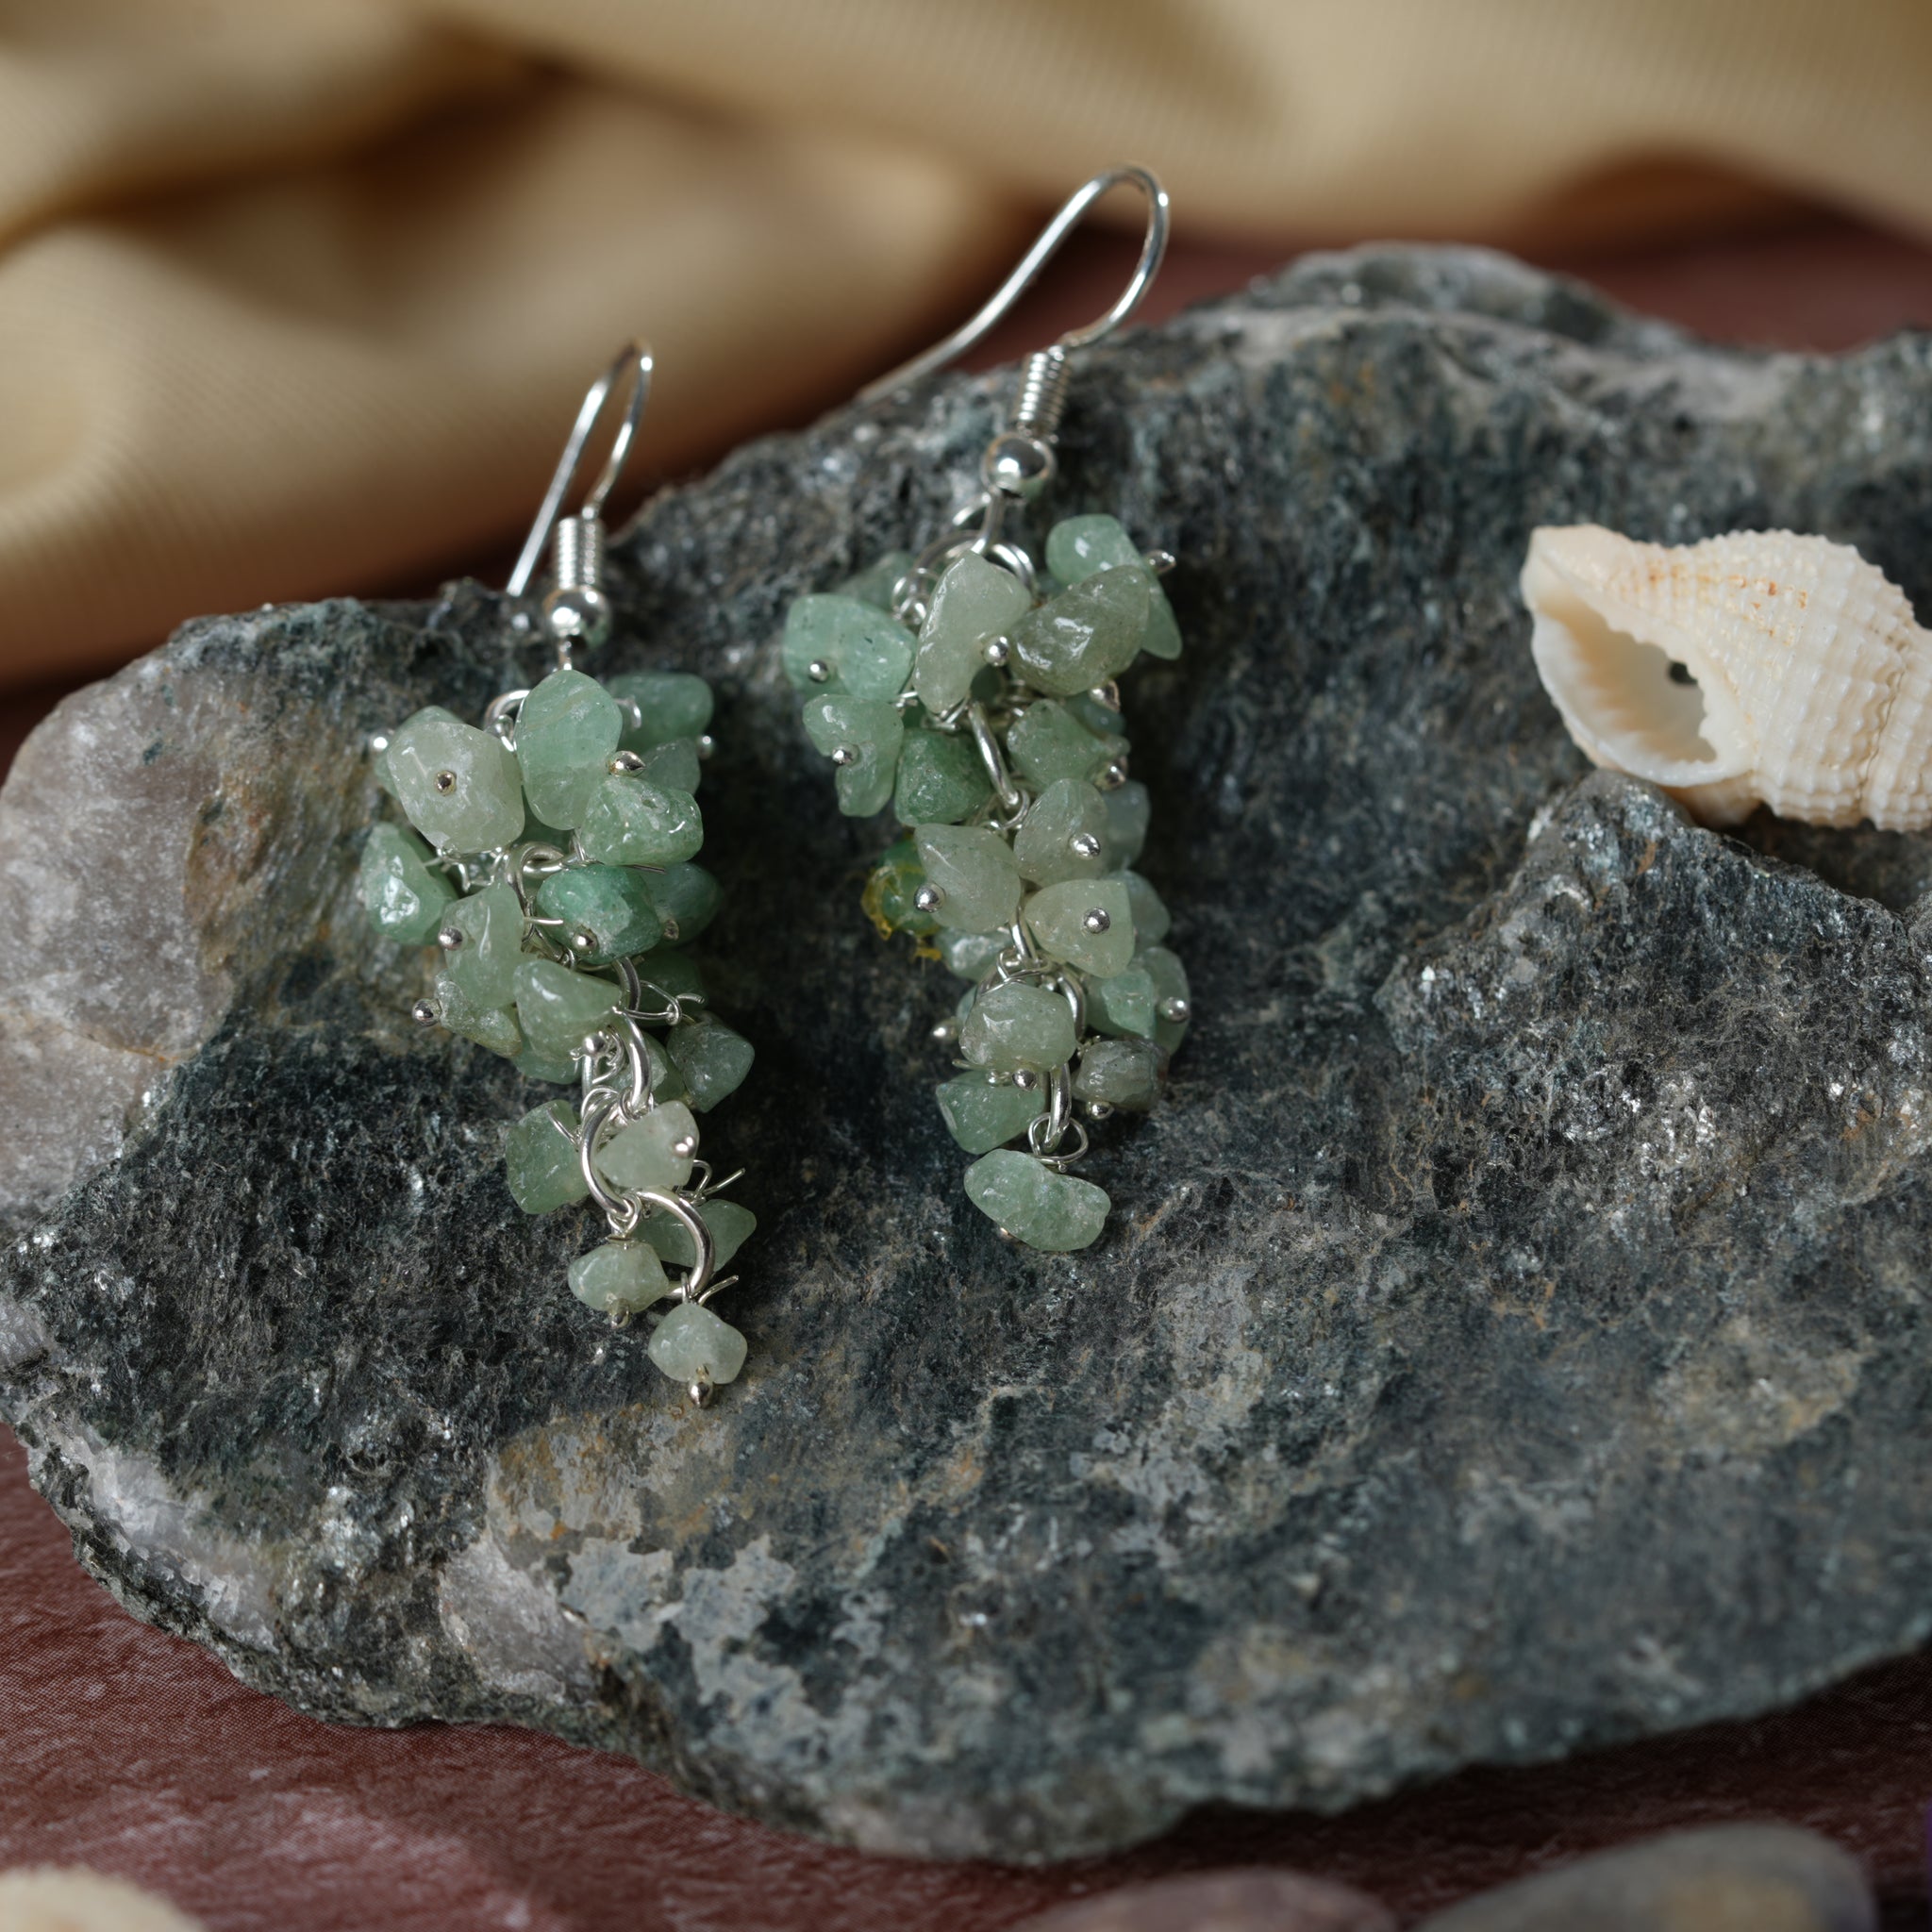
984	713
550	855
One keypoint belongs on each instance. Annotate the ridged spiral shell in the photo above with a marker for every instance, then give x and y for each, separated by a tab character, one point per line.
1808	687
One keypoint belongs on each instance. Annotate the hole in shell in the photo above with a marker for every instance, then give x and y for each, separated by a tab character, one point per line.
1642	698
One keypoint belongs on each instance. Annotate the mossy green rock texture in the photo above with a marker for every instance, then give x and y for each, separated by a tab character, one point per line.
1512	1334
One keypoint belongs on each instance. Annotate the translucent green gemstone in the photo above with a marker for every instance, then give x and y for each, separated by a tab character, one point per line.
533	1066
1047	741
536	832
981	1113
1152	920
864	651
666	1082
1084	635
712	1058
670	705
731	1226
973	601
645	1154
541	1161
557	1007
675	764
566	731
379	763
460	786
971	953
687	898
630	821
1122	1072
1061	919
942	778
973	872
890	889
1103	720
864	734
405	897
1122	1005
1015	1026
692	1344
1170	983
1055	1212
608	904
675	973
493	1026
484	966
875	584
1082	545
619	1275
1127	812
1063	834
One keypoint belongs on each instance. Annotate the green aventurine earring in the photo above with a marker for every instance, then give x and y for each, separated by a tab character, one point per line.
974	692
551	859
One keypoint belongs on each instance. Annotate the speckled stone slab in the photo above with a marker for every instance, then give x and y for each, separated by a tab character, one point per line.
1511	1335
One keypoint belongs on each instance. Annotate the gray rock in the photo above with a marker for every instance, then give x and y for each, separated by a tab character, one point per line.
1510	1336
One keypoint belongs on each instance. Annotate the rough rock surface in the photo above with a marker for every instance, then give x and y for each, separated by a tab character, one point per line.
1511	1333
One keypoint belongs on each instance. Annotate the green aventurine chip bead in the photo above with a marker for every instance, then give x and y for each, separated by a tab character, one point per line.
673	973
1063	834
1129	809
687	898
1120	1072
731	1226
621	1276
692	1344
645	1154
973	601
1017	1024
1087	922
540	1160
874	585
942	778
460	786
1152	920
670	705
970	955
405	897
1082	545
1171	993
1122	1005
712	1058
533	1066
891	890
1047	741
379	763
1084	635
566	731
973	873
627	820
1053	1212
675	764
493	1026
861	650
605	905
557	1007
484	965
862	736
982	1114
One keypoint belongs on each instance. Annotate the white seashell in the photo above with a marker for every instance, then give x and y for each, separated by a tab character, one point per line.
1810	685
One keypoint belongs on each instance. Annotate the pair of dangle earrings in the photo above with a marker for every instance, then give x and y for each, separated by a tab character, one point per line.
550	852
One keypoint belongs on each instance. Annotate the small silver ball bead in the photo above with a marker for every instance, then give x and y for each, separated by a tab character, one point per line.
997	651
450	938
685	1146
1096	921
946	1032
1025	1079
425	1013
707	744
579	616
844	754
1099	1110
1084	846
582	940
1175	1009
626	761
819	671
445	781
1113	777
928	898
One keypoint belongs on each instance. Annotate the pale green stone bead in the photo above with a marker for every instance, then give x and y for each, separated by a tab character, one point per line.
712	1058
533	1066
973	872
972	602
493	1026
970	955
1084	635
872	729
540	1160
557	1007
630	821
666	1082
1128	811
1121	1073
1017	1024
460	786
692	1344
645	1154
1122	1005
1067	814
982	1114
1047	741
675	764
1152	920
1058	916
687	898
385	778
484	966
731	1226
566	732
619	1277
1103	720
865	651
1082	545
405	896
670	705
536	832
1053	1212
606	905
942	781
875	584
1170	983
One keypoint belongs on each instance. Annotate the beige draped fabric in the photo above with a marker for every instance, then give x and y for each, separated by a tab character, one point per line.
298	295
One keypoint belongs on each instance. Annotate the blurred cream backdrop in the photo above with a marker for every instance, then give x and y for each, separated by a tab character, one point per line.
300	297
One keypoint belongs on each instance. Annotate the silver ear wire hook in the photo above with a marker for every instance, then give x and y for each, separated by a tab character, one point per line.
575	611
